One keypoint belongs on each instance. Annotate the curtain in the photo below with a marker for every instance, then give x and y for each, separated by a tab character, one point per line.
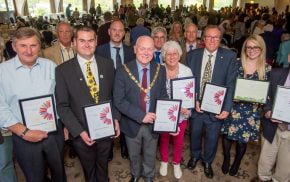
60	6
85	5
21	7
52	6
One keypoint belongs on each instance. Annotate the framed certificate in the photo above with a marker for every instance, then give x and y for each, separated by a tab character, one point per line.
99	120
251	91
167	116
213	98
38	113
184	89
281	106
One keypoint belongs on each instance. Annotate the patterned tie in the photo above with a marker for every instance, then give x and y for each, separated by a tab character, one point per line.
143	94
118	57
206	74
94	89
190	47
157	57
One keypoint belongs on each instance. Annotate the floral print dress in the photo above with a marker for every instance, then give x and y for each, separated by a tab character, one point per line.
243	124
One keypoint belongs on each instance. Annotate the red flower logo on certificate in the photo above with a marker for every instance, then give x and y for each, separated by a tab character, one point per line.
172	113
46	110
188	93
218	95
103	116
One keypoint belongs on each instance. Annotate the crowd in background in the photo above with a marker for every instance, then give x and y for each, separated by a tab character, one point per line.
260	35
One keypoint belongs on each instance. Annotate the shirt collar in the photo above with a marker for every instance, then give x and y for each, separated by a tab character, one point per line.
83	61
18	63
140	67
63	47
112	45
187	45
208	53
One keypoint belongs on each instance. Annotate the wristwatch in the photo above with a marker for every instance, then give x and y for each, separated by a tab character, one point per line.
24	132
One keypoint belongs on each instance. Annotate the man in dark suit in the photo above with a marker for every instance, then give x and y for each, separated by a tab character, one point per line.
135	95
191	42
83	80
115	46
275	148
218	66
120	54
103	36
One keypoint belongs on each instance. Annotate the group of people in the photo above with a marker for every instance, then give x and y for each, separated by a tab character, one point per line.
83	72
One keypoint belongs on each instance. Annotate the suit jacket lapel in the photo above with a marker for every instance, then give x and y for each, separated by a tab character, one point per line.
60	56
108	51
198	60
217	65
81	79
101	75
153	68
283	77
134	71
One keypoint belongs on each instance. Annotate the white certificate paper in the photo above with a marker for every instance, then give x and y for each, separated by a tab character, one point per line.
281	107
100	120
167	115
213	98
38	113
184	89
251	91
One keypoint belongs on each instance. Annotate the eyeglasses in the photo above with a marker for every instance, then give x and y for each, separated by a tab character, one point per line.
215	38
254	48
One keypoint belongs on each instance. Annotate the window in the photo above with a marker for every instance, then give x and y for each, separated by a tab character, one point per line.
218	4
193	2
164	3
106	5
74	4
3	5
38	7
137	3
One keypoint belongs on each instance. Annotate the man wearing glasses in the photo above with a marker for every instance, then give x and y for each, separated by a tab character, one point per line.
159	36
217	66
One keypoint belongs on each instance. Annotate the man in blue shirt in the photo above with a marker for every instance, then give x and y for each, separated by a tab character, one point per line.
25	76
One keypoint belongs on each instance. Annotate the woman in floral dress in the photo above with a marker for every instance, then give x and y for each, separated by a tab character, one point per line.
243	125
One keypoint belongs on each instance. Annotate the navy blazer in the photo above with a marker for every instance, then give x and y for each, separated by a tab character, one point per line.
105	51
127	96
224	72
278	76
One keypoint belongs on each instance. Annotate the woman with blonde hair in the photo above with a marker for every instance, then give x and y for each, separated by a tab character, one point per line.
176	32
243	124
171	53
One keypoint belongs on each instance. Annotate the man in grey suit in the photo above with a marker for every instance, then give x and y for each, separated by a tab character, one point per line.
135	95
218	66
74	80
120	54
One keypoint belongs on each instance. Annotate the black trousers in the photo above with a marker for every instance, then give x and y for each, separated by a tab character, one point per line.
33	157
94	159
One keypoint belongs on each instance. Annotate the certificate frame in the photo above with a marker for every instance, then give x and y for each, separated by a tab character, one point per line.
171	109
214	101
104	117
249	84
45	106
276	114
188	98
